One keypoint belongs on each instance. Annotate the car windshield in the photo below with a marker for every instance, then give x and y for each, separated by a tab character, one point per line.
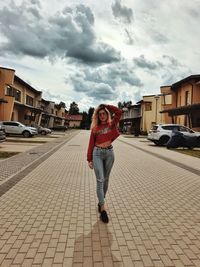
20	124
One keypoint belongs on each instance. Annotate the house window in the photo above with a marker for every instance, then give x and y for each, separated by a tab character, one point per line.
167	99
17	95
187	98
29	100
10	91
148	106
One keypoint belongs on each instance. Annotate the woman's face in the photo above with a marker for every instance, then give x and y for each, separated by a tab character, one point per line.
103	117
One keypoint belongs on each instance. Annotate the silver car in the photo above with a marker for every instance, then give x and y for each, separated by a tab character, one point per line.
17	128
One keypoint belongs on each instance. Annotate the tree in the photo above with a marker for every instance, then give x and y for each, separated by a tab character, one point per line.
124	104
73	110
60	105
84	120
120	105
89	118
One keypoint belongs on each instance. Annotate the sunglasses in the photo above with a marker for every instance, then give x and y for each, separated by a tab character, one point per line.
102	114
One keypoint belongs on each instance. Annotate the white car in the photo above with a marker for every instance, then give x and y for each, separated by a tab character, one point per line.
15	127
161	133
2	132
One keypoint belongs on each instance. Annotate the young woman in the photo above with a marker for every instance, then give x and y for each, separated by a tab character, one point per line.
100	153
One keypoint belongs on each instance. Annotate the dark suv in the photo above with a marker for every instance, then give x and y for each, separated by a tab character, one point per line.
2	132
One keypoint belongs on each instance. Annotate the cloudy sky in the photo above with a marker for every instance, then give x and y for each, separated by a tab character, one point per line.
106	51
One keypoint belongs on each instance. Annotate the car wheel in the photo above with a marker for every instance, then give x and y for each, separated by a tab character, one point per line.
156	143
163	140
26	134
43	133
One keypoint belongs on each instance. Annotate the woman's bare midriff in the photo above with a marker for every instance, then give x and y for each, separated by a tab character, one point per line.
105	144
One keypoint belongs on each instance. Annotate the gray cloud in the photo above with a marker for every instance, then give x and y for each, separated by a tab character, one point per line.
102	91
102	83
69	33
35	2
193	12
164	71
173	70
129	37
96	90
171	61
34	12
122	12
143	63
97	54
159	37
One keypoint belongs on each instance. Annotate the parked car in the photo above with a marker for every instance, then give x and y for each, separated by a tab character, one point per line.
42	130
2	132
161	133
178	139
60	128
17	128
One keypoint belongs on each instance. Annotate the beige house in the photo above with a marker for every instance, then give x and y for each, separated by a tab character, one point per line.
74	121
130	119
151	106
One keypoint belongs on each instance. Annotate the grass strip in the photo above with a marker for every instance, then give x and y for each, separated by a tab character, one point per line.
5	154
189	152
25	141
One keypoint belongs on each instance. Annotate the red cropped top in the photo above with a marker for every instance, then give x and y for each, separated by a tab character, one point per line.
104	132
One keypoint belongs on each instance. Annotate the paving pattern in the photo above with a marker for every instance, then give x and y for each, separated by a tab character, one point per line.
50	218
10	167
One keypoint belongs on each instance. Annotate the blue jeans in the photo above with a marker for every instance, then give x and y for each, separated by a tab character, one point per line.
103	160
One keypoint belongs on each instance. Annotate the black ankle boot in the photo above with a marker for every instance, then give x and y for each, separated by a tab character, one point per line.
104	216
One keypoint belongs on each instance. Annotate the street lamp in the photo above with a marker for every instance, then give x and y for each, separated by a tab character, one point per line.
156	98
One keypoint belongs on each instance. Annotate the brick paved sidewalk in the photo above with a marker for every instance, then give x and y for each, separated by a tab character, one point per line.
49	218
11	166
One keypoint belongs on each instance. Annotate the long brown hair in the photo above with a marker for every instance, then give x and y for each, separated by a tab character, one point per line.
95	117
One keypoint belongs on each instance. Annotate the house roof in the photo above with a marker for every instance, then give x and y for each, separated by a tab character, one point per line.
38	110
182	110
19	80
194	78
77	117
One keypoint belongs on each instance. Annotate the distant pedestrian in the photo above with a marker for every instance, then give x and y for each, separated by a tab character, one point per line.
100	153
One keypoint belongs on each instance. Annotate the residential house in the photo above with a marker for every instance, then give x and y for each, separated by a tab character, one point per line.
168	102
47	115
60	115
185	107
6	103
22	100
150	112
74	121
130	119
